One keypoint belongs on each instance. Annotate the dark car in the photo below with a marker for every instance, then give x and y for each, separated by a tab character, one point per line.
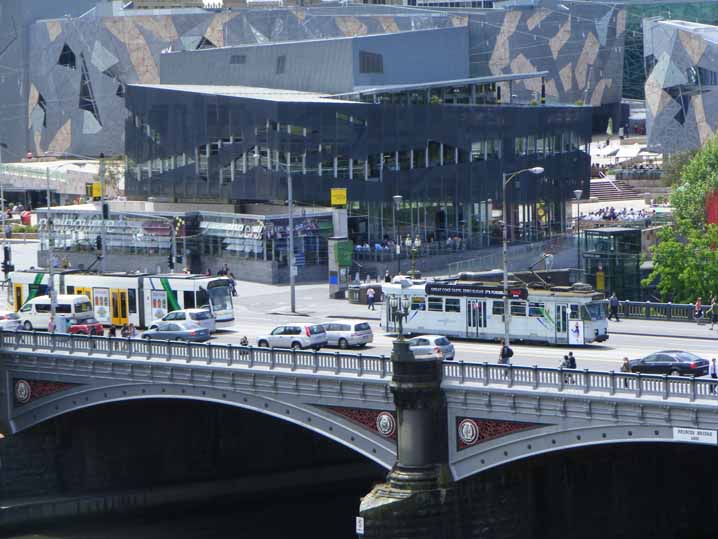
673	362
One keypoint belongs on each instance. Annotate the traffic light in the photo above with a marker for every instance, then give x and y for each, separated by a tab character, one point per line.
7	266
171	262
98	242
105	211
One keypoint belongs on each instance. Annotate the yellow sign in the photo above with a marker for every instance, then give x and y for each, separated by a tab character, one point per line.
600	280
97	190
338	196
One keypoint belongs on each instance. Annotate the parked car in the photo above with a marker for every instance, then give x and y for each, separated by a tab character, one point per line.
201	317
177	331
436	345
673	362
10	321
346	333
295	336
90	326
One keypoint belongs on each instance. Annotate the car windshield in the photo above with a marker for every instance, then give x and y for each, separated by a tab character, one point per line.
83	307
594	311
201	315
442	341
220	298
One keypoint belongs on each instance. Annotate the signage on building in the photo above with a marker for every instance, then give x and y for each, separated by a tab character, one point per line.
473	290
343	252
338	196
97	190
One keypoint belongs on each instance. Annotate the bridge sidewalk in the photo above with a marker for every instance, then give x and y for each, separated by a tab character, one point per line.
660	328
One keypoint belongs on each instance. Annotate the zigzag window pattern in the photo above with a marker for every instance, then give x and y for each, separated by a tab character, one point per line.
87	94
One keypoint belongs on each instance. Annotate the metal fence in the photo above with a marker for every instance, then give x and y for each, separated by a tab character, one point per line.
646	310
336	363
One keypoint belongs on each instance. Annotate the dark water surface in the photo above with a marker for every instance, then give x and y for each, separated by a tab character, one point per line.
325	512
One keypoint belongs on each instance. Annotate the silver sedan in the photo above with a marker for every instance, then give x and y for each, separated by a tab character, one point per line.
436	345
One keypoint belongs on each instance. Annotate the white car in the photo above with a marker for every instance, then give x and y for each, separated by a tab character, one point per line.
346	333
296	336
10	321
201	317
432	345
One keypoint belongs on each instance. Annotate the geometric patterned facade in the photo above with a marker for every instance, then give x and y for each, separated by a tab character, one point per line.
681	87
68	88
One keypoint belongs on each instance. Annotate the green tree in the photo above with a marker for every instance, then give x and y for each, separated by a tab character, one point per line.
673	167
685	259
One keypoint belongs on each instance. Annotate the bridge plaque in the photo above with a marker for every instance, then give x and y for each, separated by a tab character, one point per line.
695	436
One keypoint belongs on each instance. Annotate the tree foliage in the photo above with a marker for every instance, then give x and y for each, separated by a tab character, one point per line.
685	259
674	165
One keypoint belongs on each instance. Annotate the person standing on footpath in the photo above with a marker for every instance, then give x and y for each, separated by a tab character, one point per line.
613	306
370	299
698	309
505	354
387	277
713	311
625	368
713	373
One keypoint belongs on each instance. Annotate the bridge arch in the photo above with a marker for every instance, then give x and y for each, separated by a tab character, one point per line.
533	443
311	417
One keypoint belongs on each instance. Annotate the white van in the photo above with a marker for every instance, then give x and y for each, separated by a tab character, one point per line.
35	314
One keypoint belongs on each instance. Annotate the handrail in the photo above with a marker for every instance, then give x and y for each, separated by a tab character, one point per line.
529	378
647	310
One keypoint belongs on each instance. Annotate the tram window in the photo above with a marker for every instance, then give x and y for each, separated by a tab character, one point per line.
574	312
436	304
70	289
132	300
202	298
498	308
518	308
536	309
418	304
453	305
189	299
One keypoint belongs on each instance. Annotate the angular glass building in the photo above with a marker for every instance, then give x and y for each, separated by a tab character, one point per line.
442	147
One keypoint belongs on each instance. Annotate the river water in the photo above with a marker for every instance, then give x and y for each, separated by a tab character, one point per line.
328	511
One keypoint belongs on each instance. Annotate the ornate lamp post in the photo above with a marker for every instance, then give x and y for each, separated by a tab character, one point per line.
507	177
397	238
414	250
399	308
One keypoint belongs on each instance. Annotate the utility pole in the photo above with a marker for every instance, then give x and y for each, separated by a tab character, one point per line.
292	269
7	253
105	214
51	289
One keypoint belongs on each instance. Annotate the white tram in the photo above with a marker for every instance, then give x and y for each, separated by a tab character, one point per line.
474	310
123	298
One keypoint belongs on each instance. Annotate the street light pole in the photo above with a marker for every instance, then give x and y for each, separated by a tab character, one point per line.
505	180
578	193
397	239
290	202
51	269
103	236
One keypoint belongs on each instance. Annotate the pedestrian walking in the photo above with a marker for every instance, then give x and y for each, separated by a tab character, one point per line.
132	331
571	361
613	307
51	325
125	331
713	311
713	373
387	277
505	354
112	334
698	309
232	283
370	299
625	368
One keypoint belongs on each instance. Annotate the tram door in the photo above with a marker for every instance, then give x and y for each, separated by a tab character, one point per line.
475	317
18	296
561	323
118	298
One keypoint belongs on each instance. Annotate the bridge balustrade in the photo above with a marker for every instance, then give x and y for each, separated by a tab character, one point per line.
657	311
339	363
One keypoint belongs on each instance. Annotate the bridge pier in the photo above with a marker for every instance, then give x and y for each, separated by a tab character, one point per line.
419	498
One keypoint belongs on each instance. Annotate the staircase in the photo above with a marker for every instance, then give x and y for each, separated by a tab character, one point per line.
609	189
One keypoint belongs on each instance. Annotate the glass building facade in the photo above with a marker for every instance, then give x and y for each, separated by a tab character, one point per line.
445	159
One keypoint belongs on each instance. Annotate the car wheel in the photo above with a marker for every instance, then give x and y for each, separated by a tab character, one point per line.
362	345
317	348
343	344
674	372
263	344
27	326
296	346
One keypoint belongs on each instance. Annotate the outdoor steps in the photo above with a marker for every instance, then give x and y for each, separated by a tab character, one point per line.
607	189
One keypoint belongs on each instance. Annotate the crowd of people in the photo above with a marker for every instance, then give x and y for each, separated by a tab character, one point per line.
609	213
